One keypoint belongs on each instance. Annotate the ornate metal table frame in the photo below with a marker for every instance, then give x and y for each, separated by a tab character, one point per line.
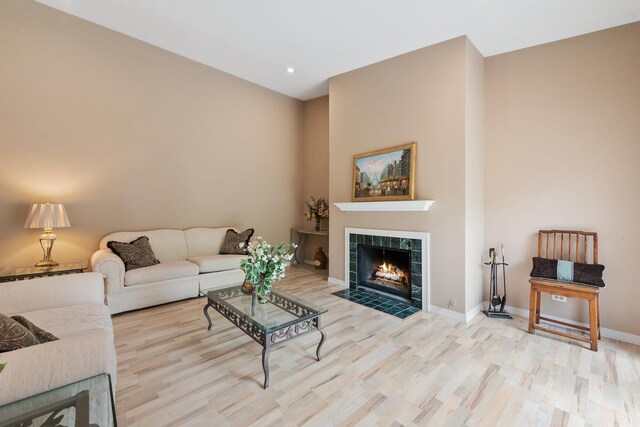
309	322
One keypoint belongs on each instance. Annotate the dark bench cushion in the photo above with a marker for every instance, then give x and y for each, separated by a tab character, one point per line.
583	274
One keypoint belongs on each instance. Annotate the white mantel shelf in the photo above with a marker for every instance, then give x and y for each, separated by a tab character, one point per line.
398	206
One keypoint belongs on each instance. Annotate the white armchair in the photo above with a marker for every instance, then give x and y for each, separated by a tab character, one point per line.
72	308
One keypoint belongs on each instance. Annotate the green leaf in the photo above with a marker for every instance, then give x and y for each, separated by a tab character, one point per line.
2	365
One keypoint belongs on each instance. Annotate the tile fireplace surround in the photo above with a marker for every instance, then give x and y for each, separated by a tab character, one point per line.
416	242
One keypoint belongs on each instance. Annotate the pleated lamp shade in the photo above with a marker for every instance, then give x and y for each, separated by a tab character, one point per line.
47	215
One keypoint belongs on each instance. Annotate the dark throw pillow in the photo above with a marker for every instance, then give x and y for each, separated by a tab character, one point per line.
14	336
135	254
566	271
41	335
236	243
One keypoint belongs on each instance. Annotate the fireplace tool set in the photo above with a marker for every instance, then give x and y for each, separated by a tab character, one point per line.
497	302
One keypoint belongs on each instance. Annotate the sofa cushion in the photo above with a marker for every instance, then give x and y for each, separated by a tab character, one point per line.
167	245
135	254
236	243
204	241
72	320
211	263
161	272
14	336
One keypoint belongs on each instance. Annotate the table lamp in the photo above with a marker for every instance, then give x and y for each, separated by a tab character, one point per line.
47	216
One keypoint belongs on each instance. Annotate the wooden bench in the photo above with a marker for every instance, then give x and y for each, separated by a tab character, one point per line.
576	246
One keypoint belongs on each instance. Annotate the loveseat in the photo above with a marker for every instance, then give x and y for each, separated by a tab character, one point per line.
72	308
190	263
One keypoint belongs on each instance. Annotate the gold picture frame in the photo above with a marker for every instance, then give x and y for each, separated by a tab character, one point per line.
384	175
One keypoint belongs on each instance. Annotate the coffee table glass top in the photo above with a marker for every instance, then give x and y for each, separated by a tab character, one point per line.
280	311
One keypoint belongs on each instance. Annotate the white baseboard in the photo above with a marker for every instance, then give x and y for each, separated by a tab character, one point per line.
461	317
473	312
605	332
335	281
620	336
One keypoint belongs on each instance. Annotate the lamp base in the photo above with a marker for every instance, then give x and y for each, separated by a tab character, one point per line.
46	242
47	263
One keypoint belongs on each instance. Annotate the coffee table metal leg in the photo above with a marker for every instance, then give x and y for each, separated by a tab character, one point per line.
265	361
324	336
206	314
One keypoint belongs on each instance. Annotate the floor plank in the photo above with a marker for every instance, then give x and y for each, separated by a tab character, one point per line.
376	370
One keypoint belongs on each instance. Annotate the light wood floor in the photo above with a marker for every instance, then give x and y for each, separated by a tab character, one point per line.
377	370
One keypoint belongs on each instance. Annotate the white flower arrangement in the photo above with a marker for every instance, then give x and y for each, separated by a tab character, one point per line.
266	264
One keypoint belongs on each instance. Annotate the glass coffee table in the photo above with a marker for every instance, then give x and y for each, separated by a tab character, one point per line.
280	319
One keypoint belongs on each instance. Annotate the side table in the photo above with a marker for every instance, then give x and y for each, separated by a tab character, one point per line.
300	235
10	274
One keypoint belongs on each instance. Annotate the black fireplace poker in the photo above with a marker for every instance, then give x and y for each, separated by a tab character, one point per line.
497	303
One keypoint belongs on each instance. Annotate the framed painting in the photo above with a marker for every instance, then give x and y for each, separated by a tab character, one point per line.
384	175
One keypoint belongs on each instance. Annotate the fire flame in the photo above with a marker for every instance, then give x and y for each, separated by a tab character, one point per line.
390	272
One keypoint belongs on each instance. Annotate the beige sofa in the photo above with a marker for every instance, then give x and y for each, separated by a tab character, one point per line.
72	308
190	264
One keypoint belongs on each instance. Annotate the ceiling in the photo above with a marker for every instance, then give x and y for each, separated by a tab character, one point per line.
258	40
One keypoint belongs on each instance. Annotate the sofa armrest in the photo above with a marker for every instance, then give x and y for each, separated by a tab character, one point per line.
112	268
42	367
51	292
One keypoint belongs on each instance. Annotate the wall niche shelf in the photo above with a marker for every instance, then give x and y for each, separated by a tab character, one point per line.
397	206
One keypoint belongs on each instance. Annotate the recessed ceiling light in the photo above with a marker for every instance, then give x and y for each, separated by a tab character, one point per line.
291	70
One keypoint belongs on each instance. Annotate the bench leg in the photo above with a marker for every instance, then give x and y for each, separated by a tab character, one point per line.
593	323
533	303
598	299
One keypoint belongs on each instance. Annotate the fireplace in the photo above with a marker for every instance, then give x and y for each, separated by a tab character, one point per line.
391	264
385	270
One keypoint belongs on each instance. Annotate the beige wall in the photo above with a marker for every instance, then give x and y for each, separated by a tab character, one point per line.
315	161
131	137
563	151
419	96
